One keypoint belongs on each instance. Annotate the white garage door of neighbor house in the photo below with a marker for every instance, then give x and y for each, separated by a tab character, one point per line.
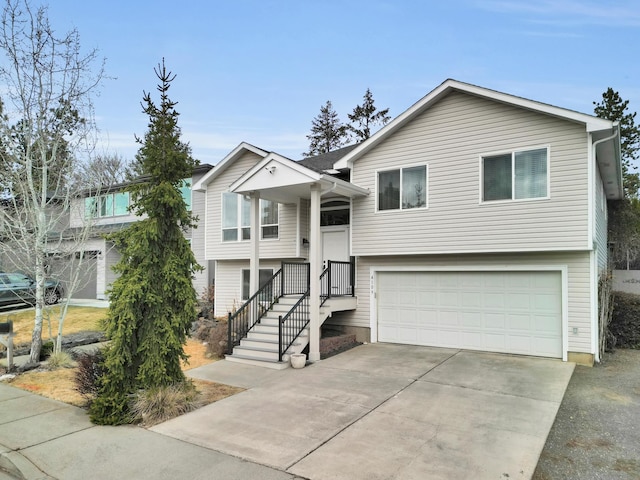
511	312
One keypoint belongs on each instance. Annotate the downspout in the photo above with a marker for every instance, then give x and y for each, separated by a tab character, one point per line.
329	190
594	254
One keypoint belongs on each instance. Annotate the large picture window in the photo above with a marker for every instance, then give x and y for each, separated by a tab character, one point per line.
107	205
236	218
403	188
515	176
185	191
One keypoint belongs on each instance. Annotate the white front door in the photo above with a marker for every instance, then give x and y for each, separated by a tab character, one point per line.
335	243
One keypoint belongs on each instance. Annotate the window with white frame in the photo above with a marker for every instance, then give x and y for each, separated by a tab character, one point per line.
236	218
516	175
107	205
264	276
268	219
402	188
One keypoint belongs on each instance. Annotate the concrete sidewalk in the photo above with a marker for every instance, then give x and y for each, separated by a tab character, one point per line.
376	411
45	439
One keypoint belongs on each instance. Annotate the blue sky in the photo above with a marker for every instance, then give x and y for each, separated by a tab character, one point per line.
259	71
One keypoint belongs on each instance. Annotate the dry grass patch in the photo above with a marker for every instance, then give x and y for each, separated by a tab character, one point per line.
59	384
55	384
78	319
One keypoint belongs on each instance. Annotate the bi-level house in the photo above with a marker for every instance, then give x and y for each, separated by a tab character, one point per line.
474	220
108	209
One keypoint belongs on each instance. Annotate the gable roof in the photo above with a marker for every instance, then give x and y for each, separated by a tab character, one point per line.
597	126
231	157
326	161
282	180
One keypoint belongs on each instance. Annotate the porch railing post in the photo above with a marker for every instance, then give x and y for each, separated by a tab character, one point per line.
282	291
229	336
280	338
329	279
353	276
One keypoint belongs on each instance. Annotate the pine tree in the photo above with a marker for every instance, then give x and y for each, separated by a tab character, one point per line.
365	117
327	132
613	108
153	302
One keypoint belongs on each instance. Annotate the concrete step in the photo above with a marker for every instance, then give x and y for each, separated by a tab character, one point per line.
249	360
263	352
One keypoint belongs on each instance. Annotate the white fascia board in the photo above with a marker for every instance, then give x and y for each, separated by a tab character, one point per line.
591	122
344	188
279	159
201	184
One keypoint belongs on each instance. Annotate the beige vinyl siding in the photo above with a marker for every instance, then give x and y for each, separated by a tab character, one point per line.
229	283
112	256
216	249
197	235
579	305
600	206
451	137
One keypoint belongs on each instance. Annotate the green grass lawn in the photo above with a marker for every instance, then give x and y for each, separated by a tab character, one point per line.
78	319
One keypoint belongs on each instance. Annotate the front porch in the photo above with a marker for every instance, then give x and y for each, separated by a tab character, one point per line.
301	296
275	322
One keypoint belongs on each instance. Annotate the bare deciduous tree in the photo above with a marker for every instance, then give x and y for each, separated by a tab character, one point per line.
46	122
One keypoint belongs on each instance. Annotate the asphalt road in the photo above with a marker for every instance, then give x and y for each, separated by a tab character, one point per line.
596	434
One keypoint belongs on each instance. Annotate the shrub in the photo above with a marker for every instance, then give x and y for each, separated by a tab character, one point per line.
625	323
46	350
159	404
61	359
217	340
90	371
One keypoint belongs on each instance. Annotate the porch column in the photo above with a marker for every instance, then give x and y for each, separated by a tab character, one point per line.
315	262
254	255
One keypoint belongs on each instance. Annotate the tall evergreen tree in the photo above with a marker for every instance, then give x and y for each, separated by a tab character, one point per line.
327	132
612	107
624	215
153	301
365	117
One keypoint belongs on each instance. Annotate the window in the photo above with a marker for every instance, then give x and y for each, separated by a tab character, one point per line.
264	277
402	189
121	203
269	219
90	207
236	218
108	205
334	212
185	190
515	176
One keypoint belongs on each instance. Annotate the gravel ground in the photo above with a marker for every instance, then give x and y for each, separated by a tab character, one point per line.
596	434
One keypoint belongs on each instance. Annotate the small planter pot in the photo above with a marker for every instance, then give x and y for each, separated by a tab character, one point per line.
298	360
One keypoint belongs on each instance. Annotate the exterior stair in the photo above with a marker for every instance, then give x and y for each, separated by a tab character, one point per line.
260	347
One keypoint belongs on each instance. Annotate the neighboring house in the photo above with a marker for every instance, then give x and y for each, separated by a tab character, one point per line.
474	220
109	212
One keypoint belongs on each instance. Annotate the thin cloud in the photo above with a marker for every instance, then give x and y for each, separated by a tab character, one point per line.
569	12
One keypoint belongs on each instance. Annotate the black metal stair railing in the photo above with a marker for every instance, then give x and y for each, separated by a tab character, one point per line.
291	279
250	313
337	280
291	325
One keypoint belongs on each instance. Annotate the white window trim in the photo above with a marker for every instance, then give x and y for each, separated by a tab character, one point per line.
390	169
269	224
240	227
481	200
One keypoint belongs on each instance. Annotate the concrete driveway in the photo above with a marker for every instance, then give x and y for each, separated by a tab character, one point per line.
385	411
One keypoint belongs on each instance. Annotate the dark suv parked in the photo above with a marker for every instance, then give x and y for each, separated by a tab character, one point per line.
20	288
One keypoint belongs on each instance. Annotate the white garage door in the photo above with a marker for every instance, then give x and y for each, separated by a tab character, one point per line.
511	312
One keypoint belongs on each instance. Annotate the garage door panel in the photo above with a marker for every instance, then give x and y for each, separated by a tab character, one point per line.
517	312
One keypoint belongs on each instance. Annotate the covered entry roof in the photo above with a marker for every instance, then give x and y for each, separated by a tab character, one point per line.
284	181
